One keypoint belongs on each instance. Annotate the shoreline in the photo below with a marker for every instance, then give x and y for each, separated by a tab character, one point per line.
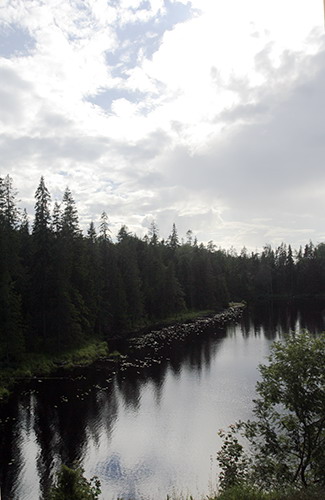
143	349
146	350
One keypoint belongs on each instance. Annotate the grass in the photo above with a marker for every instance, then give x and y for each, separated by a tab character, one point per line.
43	364
188	315
250	493
185	316
180	317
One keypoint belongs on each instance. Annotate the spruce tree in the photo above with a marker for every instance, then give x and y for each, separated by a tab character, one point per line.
70	219
11	331
173	240
8	207
104	227
56	219
42	262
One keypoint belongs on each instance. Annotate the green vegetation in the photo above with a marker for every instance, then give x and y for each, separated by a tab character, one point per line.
60	289
286	441
72	485
64	295
37	364
244	492
181	317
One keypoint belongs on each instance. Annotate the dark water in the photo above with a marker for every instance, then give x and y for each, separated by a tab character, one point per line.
145	434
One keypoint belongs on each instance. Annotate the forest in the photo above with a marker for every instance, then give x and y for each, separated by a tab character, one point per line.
60	287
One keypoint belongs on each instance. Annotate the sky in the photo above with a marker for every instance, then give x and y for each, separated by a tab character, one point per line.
204	113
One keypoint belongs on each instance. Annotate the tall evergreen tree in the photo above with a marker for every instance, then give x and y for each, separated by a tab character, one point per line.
57	219
104	231
70	219
42	262
173	240
8	207
42	210
153	233
11	332
91	233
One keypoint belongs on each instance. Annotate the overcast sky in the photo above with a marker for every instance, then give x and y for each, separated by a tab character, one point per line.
206	113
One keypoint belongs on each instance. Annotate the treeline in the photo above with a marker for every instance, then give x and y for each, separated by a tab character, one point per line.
59	287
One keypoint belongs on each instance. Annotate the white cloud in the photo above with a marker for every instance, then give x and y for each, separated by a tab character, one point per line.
212	127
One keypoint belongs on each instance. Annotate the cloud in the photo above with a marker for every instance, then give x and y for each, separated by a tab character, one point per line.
207	114
15	41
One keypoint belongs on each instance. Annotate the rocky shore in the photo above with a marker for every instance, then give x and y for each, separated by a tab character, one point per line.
146	350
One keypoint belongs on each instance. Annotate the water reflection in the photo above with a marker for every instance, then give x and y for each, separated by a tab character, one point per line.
144	434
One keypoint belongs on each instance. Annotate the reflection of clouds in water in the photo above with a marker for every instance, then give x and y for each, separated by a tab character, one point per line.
124	481
112	469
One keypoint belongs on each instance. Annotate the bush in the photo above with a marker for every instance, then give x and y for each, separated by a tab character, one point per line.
72	485
286	442
245	492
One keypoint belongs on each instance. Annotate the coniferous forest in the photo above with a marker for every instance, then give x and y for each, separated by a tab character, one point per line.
60	287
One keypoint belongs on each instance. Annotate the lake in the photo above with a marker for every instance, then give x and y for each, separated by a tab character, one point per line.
144	433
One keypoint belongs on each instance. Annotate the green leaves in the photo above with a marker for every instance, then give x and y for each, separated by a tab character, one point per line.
72	485
233	461
287	439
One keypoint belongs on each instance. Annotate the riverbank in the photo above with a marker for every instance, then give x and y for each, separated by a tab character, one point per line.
150	348
44	364
143	347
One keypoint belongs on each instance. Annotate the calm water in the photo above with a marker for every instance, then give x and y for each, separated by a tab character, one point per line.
145	434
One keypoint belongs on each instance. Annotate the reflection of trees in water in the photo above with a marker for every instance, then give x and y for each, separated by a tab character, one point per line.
66	414
60	426
130	383
13	418
275	318
312	316
103	413
195	354
130	389
157	375
46	428
198	352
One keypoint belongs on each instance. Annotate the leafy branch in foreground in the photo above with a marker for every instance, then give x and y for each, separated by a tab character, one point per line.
72	485
286	441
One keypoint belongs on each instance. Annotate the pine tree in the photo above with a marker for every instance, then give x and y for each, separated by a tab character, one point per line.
173	241
104	227
130	274
8	208
189	237
70	219
70	314
57	219
91	233
11	332
2	201
42	210
11	328
153	233
123	234
42	262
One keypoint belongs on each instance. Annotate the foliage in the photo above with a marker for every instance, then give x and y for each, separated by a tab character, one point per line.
72	485
60	289
233	462
43	364
287	438
246	492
